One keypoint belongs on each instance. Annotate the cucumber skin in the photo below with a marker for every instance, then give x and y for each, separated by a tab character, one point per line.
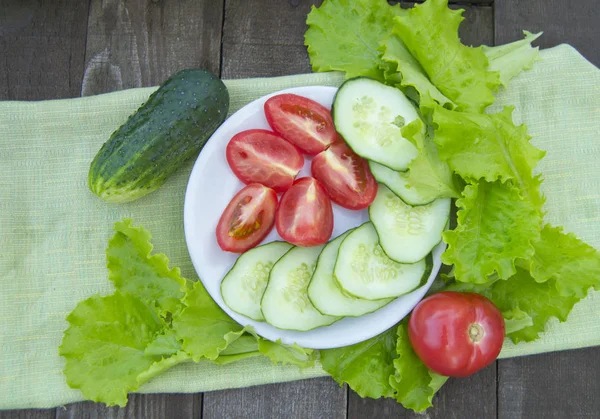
169	128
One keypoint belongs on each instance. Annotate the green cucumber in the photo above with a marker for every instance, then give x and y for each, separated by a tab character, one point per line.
171	127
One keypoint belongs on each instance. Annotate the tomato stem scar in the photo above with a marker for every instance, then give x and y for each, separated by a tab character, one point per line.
476	332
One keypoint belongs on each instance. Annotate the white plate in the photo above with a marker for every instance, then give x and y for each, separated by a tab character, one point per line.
211	186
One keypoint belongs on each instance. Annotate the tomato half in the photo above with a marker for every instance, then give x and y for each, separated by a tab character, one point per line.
456	334
261	156
247	219
303	122
304	215
345	176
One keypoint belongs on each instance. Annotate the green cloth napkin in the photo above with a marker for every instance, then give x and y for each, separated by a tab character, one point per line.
53	231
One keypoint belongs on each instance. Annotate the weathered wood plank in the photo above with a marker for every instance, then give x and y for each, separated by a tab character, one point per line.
146	406
563	21
142	42
42	48
315	398
472	397
28	414
550	386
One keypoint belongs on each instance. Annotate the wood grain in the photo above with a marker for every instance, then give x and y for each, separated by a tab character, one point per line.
265	38
472	397
573	22
28	414
143	406
314	398
42	48
141	42
550	386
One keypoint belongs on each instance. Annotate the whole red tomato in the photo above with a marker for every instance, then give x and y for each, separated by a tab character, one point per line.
456	334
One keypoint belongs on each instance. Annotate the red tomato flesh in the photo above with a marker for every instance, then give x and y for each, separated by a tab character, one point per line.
345	176
456	334
304	215
260	156
248	218
303	122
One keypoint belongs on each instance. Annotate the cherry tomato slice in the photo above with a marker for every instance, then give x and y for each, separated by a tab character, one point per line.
302	121
345	176
248	218
304	215
260	156
456	334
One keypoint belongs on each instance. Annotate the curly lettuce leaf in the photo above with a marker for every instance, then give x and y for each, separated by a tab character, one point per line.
564	258
204	329
246	346
134	270
495	227
344	35
105	347
511	59
526	304
403	70
486	146
461	73
429	175
365	366
282	354
414	383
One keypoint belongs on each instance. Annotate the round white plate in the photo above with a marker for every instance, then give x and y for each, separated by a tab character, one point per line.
211	186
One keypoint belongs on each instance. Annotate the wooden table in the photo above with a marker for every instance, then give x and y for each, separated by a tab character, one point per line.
66	48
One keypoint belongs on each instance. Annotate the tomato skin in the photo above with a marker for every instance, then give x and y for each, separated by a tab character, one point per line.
456	334
247	219
345	176
305	216
261	156
303	122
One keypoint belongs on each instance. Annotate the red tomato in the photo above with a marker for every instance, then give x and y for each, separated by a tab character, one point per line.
456	334
247	219
345	176
304	216
260	156
302	121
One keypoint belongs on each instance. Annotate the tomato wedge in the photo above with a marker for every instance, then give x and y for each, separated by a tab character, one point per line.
261	156
304	215
456	333
345	176
302	121
248	218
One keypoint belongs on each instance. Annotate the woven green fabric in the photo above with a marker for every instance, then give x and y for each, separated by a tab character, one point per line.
53	231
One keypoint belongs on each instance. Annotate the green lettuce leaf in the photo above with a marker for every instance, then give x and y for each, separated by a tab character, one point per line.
486	146
365	366
429	175
203	327
165	344
134	270
404	71
246	346
282	354
414	383
564	258
495	227
105	347
344	35
510	59
430	32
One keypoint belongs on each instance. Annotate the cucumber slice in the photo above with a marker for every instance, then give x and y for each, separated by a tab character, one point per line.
365	271
245	283
370	115
325	293
285	303
406	233
398	184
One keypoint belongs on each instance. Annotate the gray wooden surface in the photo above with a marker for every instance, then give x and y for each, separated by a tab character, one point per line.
67	48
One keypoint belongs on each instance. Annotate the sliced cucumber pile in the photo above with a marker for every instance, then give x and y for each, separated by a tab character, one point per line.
244	285
370	116
285	303
407	234
325	293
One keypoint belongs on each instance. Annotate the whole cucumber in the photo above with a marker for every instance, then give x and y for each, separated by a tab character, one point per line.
172	126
